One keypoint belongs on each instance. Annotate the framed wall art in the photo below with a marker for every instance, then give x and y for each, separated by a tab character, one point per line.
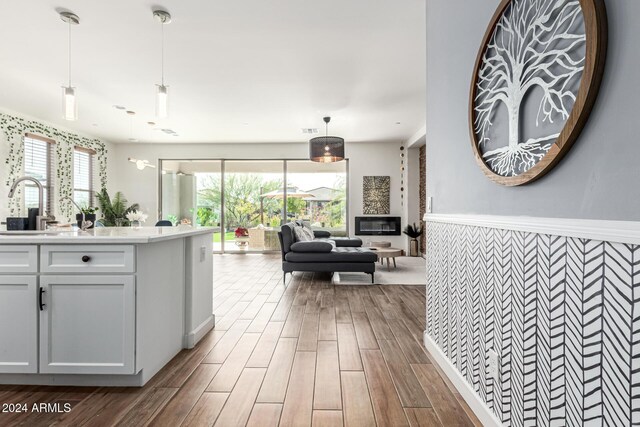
536	79
376	193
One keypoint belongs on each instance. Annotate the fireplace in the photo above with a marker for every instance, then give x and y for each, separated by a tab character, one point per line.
378	226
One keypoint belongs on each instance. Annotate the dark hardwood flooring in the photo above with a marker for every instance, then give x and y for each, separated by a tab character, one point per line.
307	354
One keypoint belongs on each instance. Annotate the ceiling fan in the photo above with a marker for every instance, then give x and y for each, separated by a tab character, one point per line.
141	164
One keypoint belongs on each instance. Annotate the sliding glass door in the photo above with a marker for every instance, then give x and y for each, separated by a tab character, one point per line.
317	194
253	204
248	200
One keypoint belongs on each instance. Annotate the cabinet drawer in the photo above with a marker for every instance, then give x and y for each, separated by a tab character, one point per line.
18	259
87	259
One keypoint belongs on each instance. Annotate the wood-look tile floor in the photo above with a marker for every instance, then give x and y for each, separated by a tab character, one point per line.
309	354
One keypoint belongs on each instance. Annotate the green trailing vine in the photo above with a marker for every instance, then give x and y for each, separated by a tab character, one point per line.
14	128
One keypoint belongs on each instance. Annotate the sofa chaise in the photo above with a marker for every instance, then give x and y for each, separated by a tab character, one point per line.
324	253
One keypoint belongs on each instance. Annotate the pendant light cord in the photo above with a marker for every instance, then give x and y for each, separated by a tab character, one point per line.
69	23
162	53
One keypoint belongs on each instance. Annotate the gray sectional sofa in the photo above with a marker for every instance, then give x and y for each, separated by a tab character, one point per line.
324	253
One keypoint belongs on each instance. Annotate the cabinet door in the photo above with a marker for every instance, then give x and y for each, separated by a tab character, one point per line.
87	325
18	324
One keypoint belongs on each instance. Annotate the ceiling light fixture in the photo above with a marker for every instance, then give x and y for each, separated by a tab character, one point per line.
69	103
132	138
326	149
141	164
162	91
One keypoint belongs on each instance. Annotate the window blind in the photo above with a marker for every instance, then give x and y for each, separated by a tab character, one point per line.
39	163
83	176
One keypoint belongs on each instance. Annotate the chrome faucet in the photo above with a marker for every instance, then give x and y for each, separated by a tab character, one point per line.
41	219
84	224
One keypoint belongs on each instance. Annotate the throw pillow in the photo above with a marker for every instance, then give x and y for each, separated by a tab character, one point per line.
301	234
309	232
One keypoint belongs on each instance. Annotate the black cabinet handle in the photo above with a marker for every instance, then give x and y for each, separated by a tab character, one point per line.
42	305
86	258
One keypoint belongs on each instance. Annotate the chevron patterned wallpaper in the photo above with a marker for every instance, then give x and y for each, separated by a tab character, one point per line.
562	313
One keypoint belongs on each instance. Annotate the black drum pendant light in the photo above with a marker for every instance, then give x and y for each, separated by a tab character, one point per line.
326	149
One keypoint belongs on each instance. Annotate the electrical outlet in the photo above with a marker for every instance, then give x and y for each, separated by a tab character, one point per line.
493	365
429	204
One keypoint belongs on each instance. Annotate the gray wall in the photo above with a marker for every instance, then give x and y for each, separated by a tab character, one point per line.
600	176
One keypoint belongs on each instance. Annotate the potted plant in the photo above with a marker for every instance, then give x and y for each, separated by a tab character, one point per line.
89	215
241	232
136	218
413	231
114	210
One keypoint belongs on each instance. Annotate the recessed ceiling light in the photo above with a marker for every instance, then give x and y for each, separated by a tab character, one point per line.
131	113
133	140
151	123
94	124
119	107
397	123
246	123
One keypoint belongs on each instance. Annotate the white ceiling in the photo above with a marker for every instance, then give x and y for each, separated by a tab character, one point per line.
238	71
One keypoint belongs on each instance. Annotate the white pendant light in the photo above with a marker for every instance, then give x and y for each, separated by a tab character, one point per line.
69	102
132	137
162	101
162	91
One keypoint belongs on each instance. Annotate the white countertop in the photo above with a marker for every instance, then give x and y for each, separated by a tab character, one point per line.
103	235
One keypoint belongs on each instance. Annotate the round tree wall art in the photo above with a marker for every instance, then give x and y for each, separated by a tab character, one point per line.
535	82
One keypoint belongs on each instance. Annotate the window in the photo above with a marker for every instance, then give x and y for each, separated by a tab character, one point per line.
83	176
38	163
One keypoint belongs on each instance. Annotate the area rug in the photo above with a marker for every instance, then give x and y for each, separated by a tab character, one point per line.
410	271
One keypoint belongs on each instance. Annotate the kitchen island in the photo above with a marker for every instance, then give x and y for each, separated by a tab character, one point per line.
106	307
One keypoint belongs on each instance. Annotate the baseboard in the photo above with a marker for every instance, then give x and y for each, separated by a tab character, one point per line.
482	411
193	337
74	380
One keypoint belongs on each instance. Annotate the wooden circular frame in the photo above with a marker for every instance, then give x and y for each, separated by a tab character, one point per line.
595	20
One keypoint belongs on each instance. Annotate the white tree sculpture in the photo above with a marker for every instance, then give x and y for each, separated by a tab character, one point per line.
536	43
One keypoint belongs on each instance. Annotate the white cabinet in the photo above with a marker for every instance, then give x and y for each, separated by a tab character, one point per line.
18	324
87	325
108	309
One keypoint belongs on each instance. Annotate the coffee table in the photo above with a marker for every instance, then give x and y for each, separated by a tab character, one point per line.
388	253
